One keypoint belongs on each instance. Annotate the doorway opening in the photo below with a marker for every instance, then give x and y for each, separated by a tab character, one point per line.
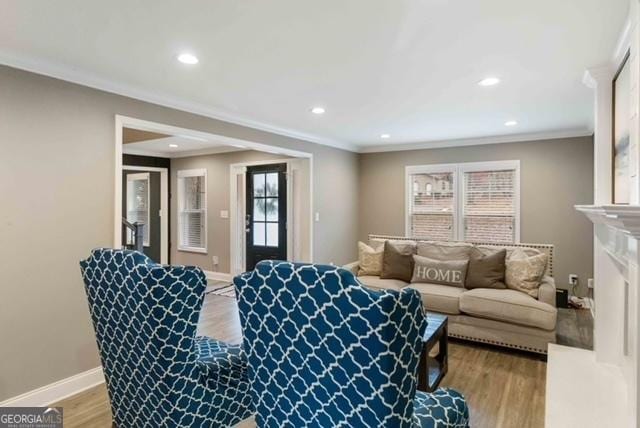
255	230
190	190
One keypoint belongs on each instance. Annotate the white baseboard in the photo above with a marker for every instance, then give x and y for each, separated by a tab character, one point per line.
218	276
56	391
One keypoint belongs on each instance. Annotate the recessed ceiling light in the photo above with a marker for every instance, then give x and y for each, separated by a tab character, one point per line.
385	136
173	146
318	110
489	81
510	123
187	58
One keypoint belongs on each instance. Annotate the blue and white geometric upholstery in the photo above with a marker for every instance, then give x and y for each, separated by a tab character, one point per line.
158	373
323	351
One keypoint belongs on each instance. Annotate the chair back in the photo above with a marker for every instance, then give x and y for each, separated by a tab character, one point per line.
323	351
145	317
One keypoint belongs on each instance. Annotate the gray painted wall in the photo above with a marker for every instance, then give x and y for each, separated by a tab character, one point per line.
218	198
58	139
555	175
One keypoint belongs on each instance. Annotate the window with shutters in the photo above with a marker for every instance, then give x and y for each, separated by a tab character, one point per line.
476	202
192	210
138	203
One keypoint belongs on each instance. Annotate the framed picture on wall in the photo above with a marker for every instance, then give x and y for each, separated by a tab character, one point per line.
621	133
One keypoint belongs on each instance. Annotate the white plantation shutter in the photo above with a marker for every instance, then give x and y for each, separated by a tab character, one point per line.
138	203
192	214
474	201
489	206
432	206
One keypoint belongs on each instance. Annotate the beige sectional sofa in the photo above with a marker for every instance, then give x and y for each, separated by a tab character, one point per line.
503	317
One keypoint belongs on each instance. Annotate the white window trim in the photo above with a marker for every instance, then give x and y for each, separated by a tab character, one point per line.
200	172
147	226
458	170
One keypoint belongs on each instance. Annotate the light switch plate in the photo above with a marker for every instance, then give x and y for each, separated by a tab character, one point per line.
224	214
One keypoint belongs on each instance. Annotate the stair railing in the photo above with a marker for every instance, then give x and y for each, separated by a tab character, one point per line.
136	231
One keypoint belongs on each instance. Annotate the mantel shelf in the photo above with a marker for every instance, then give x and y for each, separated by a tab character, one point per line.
625	218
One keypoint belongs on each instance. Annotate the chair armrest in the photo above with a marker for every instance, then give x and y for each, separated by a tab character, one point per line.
352	267
547	291
219	361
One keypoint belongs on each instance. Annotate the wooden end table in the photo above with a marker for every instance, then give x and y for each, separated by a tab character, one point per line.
432	369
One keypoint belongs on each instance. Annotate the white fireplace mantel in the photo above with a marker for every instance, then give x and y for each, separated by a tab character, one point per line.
625	218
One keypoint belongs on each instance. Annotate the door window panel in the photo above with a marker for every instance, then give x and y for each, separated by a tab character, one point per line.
258	184
272	184
271	207
258	234
272	234
258	209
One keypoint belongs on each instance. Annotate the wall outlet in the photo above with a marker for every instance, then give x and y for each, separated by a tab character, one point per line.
224	214
216	261
573	279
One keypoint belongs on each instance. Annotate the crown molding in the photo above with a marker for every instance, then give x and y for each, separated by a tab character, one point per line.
501	139
69	74
623	44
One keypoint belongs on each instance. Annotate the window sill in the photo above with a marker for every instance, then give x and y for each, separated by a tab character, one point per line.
193	250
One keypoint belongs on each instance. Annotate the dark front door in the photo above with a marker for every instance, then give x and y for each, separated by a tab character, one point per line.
266	213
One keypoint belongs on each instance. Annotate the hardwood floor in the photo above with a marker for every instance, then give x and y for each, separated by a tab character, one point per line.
504	388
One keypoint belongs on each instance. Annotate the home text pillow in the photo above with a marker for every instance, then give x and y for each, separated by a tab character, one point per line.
486	270
444	250
397	261
446	272
369	260
524	272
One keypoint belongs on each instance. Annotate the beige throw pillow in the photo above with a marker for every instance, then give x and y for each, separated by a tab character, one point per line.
446	272
369	260
524	272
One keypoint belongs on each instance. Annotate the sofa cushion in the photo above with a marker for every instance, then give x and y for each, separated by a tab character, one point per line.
524	272
370	260
439	298
486	271
399	243
445	272
444	250
397	261
509	306
382	284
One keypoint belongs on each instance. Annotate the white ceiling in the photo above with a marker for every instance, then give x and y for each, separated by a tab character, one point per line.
161	147
408	68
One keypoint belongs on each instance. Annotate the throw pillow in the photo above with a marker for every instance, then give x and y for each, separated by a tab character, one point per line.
446	272
369	260
397	261
486	271
444	250
524	272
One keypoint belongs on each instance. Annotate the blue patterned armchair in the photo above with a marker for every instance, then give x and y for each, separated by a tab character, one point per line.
323	351
158	373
